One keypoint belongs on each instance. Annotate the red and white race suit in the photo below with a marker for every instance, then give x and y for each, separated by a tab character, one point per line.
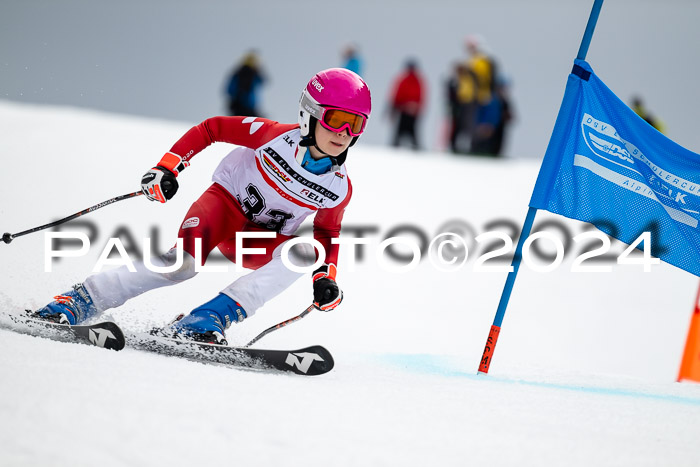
258	186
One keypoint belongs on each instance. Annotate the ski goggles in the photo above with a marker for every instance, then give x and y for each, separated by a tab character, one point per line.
338	120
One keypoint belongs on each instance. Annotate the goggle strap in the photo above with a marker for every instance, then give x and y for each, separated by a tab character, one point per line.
311	106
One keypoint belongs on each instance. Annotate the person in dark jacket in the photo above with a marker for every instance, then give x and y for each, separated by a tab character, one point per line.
243	87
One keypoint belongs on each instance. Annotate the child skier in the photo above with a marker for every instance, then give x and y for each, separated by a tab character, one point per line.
279	175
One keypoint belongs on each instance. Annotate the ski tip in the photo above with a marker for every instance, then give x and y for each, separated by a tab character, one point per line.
117	342
311	361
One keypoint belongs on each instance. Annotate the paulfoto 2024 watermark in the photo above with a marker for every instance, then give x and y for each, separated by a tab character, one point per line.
446	251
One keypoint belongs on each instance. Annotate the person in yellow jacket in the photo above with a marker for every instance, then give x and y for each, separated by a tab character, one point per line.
470	89
463	105
483	68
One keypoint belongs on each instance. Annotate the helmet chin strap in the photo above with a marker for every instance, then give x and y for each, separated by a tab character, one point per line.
334	160
309	141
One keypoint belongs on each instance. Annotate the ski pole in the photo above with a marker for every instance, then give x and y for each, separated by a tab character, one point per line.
280	325
8	237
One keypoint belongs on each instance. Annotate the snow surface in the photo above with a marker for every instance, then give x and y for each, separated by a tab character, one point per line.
583	373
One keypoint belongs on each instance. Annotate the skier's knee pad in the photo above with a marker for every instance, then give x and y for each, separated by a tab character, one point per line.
184	272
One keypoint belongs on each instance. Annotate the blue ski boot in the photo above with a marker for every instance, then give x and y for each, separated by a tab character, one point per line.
208	322
73	307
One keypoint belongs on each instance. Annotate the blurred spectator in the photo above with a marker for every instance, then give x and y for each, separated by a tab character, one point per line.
351	59
507	113
244	83
491	122
640	109
483	66
479	113
461	96
407	100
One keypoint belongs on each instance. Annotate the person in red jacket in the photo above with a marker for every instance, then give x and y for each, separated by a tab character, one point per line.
278	175
407	101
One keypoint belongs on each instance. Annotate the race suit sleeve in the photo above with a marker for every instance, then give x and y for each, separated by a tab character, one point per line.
243	131
327	226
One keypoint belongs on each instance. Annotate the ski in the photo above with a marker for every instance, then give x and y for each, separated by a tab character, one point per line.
106	334
308	361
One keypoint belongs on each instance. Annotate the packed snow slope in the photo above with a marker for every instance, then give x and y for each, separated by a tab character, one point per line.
583	373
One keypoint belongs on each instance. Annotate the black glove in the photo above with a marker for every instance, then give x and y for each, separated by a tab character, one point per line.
159	184
327	294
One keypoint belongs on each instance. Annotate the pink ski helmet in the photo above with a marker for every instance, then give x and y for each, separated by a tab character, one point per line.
338	99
